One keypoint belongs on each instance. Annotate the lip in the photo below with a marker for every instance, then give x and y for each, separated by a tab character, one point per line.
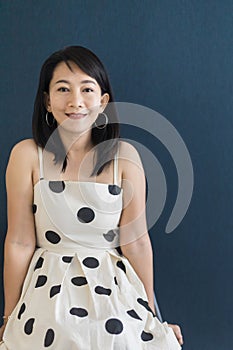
76	115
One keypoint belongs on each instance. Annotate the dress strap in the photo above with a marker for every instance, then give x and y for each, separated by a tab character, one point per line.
41	162
115	170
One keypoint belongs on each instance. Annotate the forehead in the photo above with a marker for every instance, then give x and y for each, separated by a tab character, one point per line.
73	72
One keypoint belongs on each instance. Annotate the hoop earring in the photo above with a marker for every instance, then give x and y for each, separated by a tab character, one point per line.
102	126
47	120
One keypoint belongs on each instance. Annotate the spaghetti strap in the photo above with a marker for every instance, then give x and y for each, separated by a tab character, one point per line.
115	170
41	162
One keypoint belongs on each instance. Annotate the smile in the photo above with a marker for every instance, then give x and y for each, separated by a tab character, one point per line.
76	115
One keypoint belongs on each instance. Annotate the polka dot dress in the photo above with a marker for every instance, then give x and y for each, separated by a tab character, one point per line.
80	293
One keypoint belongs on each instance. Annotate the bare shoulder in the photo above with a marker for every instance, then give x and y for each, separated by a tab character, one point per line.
23	157
128	153
130	164
25	150
25	146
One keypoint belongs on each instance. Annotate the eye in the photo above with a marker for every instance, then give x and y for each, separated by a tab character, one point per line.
63	89
88	90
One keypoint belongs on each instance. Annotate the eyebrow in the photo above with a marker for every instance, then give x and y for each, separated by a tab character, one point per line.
82	82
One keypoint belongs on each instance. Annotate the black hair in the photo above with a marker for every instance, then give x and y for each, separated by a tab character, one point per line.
89	63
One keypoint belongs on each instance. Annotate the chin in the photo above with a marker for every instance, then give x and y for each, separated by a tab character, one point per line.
75	127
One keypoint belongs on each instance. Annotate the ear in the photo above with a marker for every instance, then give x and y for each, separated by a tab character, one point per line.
104	101
47	101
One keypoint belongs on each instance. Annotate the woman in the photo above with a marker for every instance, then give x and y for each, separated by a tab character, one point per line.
75	193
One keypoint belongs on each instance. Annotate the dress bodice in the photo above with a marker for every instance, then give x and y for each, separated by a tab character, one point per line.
71	213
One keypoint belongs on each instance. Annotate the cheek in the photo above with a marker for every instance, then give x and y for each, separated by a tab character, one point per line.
92	97
57	101
93	100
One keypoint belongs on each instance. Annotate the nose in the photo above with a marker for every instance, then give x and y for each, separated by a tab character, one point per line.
75	100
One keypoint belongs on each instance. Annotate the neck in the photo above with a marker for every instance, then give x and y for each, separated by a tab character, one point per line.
76	143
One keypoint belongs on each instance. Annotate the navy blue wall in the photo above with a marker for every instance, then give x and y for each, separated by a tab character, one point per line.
174	56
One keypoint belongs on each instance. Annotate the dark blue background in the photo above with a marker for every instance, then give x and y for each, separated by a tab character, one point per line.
174	56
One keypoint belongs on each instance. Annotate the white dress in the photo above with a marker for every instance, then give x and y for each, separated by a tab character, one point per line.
80	293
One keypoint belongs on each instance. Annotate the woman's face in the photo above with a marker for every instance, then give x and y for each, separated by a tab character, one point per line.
74	98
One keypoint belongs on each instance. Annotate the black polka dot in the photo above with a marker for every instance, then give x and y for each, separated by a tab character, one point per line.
79	281
102	290
133	314
115	280
21	310
109	236
49	337
85	215
52	237
28	327
57	186
121	265
78	311
34	208
114	189
119	250
55	290
146	336
90	262
114	326
41	280
67	259
39	263
145	304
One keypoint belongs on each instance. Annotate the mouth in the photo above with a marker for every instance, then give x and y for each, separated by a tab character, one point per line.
76	115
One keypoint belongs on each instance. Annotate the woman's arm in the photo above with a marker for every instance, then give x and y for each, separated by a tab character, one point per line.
140	256
134	239
20	239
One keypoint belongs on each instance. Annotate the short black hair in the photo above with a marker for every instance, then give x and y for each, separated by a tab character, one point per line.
89	63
